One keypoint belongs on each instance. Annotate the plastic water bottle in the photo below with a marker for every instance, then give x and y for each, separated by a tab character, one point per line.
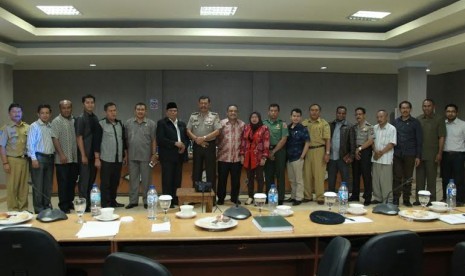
451	193
152	201
272	199
343	194
95	200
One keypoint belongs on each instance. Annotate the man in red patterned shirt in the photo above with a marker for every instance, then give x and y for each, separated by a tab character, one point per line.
229	142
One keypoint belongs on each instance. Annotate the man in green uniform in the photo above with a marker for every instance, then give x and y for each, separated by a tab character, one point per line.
276	163
13	138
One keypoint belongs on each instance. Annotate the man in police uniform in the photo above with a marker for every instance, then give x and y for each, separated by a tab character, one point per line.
275	165
202	128
13	138
317	155
361	167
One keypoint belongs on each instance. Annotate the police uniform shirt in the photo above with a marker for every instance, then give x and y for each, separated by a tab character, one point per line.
13	138
203	125
362	134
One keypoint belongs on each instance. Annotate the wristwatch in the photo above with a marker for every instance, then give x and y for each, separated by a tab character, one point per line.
360	148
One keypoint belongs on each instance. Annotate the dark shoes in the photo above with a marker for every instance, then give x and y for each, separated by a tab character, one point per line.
220	202
238	202
291	200
280	202
296	202
116	204
145	206
376	202
367	202
407	203
395	201
130	206
416	203
354	198
320	201
305	200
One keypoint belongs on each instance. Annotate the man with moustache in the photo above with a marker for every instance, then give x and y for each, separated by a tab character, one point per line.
64	140
453	157
86	126
317	155
41	152
434	131
13	137
275	165
361	166
203	128
172	142
229	143
342	149
383	153
142	151
110	155
407	152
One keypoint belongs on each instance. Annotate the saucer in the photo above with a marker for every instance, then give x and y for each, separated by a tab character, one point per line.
114	217
357	211
285	214
183	216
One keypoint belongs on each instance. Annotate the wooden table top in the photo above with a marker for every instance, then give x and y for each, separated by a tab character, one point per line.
185	229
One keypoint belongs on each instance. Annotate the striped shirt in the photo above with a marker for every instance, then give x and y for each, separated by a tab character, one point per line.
39	139
384	136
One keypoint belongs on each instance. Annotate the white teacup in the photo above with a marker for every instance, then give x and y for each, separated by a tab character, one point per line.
439	204
283	209
356	206
107	213
187	209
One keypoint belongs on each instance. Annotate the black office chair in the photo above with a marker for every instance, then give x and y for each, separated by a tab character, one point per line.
458	257
127	264
30	251
391	254
335	259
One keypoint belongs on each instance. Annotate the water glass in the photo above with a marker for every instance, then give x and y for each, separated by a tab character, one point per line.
260	199
423	197
165	203
330	199
80	208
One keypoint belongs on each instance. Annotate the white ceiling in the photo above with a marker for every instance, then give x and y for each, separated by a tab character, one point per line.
264	35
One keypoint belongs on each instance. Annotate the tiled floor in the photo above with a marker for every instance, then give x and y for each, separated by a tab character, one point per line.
310	206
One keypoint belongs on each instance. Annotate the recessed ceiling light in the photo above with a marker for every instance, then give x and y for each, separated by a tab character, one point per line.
92	65
428	70
59	10
217	11
323	67
368	15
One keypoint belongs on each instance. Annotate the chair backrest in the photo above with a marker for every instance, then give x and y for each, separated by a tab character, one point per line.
391	254
30	251
127	264
335	259
458	260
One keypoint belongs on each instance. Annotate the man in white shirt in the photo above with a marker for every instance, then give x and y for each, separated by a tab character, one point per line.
41	151
453	156
383	153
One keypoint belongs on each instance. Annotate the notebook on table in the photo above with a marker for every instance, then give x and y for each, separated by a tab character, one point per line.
272	224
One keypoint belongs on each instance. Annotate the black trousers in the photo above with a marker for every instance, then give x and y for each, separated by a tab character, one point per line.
403	170
452	168
362	168
256	173
87	175
66	180
224	169
110	174
171	178
204	158
42	182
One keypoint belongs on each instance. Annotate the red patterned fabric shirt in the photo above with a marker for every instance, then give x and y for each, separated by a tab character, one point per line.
229	141
255	146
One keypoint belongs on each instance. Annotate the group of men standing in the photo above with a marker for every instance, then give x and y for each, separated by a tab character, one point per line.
384	155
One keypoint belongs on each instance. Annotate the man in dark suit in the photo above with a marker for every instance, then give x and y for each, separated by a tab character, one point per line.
172	142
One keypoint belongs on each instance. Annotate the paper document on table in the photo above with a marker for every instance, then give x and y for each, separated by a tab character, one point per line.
93	229
357	220
15	225
453	219
161	227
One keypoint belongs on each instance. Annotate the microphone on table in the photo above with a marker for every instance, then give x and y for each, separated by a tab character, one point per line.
389	208
237	211
49	214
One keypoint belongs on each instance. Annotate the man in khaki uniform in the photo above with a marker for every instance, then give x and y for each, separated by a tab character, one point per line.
13	138
317	155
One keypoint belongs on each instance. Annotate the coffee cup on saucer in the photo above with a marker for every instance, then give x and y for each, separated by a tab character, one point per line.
187	210
283	209
106	213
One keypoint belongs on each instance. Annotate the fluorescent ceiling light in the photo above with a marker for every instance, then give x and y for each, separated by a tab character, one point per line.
59	10
369	15
92	65
217	11
323	67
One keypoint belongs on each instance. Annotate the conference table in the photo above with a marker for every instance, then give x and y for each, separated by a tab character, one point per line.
189	250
